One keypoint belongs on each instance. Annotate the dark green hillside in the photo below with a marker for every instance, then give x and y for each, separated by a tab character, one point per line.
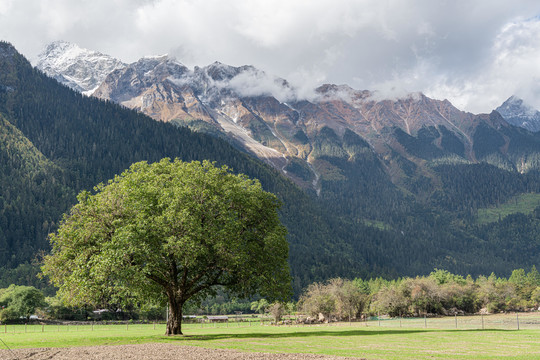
56	142
473	186
88	141
33	195
431	223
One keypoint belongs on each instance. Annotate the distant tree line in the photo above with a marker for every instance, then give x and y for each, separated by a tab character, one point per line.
439	293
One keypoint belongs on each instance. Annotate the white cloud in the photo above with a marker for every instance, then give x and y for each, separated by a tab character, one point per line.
471	52
256	83
512	67
5	6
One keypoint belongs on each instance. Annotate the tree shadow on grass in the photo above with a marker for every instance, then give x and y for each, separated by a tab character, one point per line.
306	334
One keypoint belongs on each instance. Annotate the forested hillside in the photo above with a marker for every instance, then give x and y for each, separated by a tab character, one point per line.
56	142
87	141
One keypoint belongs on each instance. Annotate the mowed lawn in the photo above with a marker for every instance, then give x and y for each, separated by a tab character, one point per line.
387	341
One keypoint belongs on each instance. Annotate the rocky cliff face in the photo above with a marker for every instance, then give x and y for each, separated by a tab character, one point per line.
297	136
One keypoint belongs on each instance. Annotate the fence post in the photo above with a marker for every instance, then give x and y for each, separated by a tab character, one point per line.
25	327
425	321
456	319
5	328
379	318
517	320
42	327
482	321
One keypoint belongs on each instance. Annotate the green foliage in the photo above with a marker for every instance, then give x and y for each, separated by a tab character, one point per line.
263	134
391	300
85	141
422	145
56	143
338	298
20	301
469	187
327	144
56	309
522	203
300	169
318	300
445	293
486	141
260	306
26	274
170	231
445	277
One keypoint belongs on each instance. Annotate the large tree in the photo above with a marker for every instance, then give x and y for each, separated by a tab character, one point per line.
169	232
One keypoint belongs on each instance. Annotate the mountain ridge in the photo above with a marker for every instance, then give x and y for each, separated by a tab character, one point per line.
90	140
78	68
518	113
406	212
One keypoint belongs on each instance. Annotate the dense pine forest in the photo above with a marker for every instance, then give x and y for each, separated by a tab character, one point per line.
82	141
56	142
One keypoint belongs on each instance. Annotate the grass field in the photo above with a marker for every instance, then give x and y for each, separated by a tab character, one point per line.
523	203
378	340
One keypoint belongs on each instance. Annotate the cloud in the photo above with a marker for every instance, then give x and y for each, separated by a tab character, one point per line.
461	50
249	82
511	67
256	83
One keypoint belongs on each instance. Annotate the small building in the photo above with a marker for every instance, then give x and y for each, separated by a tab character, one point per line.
218	318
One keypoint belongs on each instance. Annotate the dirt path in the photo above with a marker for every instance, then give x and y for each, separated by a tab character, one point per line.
148	352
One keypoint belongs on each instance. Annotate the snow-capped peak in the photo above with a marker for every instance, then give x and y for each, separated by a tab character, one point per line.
519	113
81	69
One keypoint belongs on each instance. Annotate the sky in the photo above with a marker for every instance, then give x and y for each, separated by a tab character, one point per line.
475	53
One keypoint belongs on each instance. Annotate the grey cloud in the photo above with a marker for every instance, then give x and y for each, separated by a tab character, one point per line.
448	49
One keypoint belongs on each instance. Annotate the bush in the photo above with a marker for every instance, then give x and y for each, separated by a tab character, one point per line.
20	301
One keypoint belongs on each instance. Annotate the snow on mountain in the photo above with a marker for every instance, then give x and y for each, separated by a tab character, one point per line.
265	115
518	113
80	69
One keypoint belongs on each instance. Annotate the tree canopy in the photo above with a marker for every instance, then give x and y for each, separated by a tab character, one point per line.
168	232
19	301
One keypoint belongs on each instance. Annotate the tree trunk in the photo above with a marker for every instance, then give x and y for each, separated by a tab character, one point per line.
174	324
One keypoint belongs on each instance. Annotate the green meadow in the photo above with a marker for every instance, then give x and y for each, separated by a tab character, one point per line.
523	203
440	338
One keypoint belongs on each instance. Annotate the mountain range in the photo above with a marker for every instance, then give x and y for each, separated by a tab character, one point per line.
383	187
265	116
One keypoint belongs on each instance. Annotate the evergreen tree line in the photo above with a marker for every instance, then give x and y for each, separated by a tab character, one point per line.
56	142
83	141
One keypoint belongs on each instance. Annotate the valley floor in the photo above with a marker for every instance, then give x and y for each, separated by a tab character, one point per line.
458	337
